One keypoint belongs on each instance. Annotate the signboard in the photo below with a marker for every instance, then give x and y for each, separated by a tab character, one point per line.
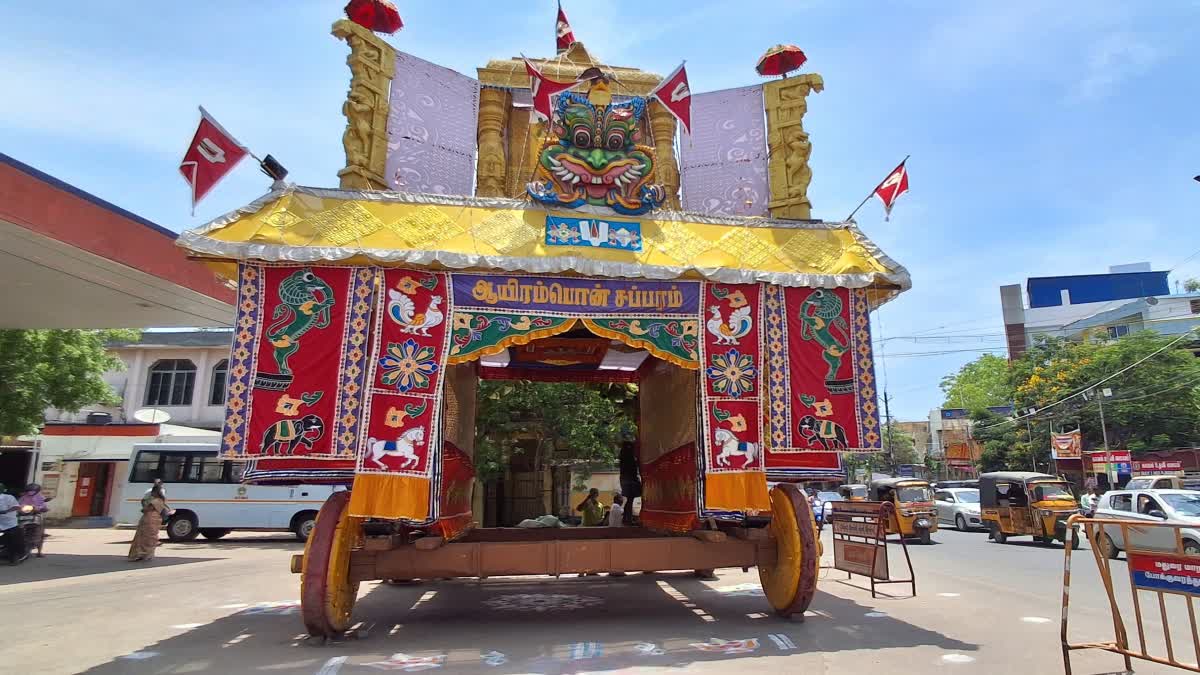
575	296
1165	572
595	232
857	509
1162	466
905	470
858	558
1066	446
855	528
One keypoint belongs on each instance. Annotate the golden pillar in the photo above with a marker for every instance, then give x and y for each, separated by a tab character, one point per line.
788	147
372	63
666	167
492	165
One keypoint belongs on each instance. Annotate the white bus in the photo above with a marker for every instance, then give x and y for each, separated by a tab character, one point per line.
209	498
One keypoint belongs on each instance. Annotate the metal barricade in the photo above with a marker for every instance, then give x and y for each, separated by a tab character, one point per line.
860	543
1158	565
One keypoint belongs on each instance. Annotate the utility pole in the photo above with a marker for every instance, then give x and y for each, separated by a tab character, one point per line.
1110	470
887	413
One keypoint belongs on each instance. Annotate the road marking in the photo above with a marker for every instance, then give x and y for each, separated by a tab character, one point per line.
236	605
782	641
1035	619
332	666
409	664
494	658
949	595
957	658
187	626
875	615
650	649
139	656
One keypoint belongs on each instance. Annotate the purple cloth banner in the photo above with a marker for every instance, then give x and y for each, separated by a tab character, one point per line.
431	129
723	163
574	296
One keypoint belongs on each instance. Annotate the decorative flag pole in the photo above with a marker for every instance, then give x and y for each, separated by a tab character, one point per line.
676	96
564	36
212	155
888	190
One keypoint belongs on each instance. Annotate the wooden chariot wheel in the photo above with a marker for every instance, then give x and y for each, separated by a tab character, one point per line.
326	593
790	583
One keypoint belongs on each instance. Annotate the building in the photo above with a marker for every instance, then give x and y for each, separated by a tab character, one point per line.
951	440
182	373
1048	305
1169	315
921	437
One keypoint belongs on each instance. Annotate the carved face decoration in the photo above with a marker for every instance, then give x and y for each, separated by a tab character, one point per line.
593	158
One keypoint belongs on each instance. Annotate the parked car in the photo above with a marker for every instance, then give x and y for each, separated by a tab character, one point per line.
959	506
1154	506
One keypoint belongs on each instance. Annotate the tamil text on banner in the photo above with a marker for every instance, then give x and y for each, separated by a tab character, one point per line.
723	163
1165	572
400	453
431	129
731	389
820	372
297	368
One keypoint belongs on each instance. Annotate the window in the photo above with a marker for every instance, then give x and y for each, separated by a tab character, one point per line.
968	496
171	382
185	467
943	496
1194	305
1146	504
1115	332
220	376
1120	502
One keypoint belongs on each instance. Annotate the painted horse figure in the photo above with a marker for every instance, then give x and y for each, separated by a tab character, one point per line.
732	447
304	303
829	434
283	437
404	447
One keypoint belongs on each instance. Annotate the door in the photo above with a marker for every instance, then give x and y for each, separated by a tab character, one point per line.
91	489
944	503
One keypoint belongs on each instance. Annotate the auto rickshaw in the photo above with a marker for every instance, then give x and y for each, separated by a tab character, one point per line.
856	492
915	516
1016	503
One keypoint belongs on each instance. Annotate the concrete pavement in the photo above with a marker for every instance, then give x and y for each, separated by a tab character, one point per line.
230	607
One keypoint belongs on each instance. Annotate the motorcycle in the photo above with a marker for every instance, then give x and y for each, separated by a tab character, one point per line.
32	530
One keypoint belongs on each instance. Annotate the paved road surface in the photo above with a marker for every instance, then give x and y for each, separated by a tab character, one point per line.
230	607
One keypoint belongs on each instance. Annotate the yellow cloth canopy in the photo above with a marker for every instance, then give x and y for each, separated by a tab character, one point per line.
311	225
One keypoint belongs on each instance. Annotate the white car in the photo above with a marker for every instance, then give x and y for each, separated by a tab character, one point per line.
1154	506
959	506
825	502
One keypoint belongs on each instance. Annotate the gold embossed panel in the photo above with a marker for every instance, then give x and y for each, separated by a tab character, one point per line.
425	226
345	224
506	231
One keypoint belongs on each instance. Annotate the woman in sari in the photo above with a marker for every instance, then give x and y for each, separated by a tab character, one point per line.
145	540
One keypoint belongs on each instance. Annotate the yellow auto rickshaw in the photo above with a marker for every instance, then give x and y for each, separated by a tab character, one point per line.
1016	503
856	492
915	516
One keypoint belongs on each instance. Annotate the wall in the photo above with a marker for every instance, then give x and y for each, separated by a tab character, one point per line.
1092	288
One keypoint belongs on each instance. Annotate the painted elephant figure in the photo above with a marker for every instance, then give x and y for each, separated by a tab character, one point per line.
283	437
828	433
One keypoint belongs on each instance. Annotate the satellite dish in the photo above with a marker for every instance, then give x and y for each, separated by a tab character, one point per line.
1152	301
152	416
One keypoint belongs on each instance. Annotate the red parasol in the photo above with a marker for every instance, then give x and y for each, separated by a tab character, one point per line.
377	15
780	60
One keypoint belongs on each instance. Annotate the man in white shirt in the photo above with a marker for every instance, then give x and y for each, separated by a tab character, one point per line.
10	530
616	513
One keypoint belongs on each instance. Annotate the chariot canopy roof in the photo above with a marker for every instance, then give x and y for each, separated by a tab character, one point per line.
343	227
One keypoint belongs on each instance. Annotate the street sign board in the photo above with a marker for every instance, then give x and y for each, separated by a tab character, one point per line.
867	559
860	541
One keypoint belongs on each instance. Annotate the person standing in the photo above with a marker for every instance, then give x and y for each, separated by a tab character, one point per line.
1088	502
631	481
592	509
145	540
10	527
617	511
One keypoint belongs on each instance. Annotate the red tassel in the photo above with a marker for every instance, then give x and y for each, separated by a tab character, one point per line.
380	16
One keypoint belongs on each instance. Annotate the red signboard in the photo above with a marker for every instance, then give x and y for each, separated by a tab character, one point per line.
1115	456
1158	466
1165	572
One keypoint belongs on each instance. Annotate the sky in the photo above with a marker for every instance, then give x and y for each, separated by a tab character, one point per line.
1045	138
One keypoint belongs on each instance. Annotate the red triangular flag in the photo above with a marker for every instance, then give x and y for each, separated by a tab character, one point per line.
676	96
891	188
543	89
212	154
562	31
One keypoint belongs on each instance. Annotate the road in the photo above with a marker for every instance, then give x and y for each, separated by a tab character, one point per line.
230	607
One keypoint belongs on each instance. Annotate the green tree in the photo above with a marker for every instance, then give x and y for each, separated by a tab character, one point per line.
1005	444
1154	404
899	446
559	422
60	369
1191	285
979	384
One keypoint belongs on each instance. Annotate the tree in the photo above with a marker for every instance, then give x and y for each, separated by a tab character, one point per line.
61	369
1154	404
899	446
567	423
1191	285
979	384
1005	444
